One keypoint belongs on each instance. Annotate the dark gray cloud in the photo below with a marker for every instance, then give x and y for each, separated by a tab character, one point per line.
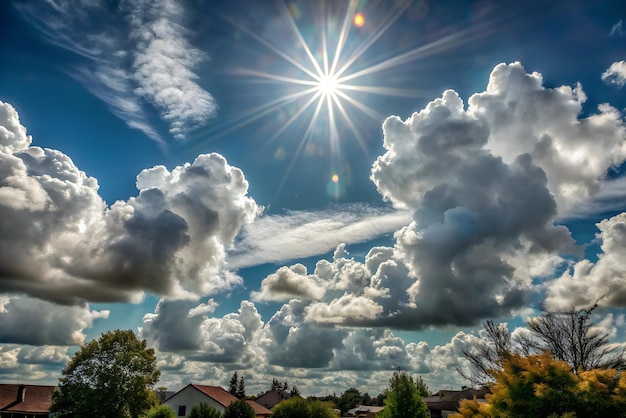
59	241
25	320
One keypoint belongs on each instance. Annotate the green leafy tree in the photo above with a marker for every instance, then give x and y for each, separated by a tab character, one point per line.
160	411
422	389
239	409
111	377
241	388
349	399
276	385
232	386
403	399
303	408
204	410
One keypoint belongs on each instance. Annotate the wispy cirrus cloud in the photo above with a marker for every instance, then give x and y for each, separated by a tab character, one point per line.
279	238
138	59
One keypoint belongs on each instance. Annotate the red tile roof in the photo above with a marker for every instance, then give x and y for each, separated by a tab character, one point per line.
259	410
37	398
219	394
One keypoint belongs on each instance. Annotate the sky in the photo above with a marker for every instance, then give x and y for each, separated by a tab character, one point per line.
315	191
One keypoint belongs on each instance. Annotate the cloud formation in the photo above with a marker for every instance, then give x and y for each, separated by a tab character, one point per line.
30	321
299	234
615	74
60	242
137	53
587	282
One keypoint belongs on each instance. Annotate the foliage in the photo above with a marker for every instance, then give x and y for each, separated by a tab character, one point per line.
110	377
349	399
232	386
241	388
422	389
303	408
568	336
403	399
540	386
204	410
295	391
160	411
239	409
276	385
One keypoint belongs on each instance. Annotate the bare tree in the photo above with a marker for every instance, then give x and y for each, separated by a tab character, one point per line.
488	354
569	336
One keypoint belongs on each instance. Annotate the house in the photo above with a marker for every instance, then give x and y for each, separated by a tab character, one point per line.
446	402
271	398
365	411
183	400
25	401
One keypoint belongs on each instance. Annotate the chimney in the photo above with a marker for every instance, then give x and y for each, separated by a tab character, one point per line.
21	393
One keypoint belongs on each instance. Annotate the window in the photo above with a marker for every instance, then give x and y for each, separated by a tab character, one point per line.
182	410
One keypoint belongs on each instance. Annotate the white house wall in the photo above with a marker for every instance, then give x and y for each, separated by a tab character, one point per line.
189	397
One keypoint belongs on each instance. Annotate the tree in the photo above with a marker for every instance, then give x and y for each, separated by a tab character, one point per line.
160	411
541	386
276	385
285	386
241	388
403	398
303	408
422	389
349	399
110	377
569	336
239	409
294	391
204	410
232	387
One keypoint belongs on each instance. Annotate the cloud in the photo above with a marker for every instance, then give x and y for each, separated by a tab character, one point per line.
181	327
136	53
298	234
25	320
615	74
586	282
616	29
288	283
60	242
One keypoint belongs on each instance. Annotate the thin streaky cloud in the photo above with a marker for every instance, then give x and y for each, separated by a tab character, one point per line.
138	58
280	238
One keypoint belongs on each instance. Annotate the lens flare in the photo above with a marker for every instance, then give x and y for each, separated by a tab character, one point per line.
359	20
335	178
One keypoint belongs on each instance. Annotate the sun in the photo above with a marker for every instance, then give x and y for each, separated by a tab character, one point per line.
328	85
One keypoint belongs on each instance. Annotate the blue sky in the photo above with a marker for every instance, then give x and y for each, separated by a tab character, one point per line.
314	191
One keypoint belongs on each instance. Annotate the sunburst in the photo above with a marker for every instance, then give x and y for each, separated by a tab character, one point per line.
323	79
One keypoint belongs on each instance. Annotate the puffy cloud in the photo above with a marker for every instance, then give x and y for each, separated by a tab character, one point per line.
25	320
298	234
135	50
59	241
586	282
289	341
183	326
615	74
289	282
473	211
349	308
523	116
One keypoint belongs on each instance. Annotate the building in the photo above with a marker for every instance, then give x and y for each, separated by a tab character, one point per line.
272	398
25	401
446	402
183	400
365	411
